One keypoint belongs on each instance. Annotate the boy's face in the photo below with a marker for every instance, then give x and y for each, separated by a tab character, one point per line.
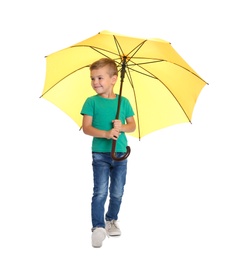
102	82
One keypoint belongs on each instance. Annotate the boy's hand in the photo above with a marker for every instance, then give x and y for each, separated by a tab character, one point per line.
117	124
113	134
115	131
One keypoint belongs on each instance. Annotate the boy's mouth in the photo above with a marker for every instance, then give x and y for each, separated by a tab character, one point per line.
97	87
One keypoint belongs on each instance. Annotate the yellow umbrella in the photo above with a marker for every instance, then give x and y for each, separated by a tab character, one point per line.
160	85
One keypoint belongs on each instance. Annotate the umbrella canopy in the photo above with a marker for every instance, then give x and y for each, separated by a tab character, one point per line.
159	83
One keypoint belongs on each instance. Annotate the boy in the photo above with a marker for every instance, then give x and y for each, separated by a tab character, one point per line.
99	113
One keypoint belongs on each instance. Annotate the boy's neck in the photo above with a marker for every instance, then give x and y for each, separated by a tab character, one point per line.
109	96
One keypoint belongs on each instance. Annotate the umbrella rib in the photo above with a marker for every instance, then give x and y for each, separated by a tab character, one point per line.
99	50
118	46
135	98
120	50
153	76
157	60
116	60
136	49
62	80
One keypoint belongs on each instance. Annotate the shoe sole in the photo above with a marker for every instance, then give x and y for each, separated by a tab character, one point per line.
100	237
114	234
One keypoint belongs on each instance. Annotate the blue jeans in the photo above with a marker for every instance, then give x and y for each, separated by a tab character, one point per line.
108	175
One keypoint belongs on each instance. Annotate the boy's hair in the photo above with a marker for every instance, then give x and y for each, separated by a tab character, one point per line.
105	62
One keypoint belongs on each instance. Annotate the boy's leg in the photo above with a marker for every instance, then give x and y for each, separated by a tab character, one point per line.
117	183
101	168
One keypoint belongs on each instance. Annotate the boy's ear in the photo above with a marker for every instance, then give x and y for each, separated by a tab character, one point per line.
114	77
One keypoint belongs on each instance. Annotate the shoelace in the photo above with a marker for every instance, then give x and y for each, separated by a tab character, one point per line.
109	226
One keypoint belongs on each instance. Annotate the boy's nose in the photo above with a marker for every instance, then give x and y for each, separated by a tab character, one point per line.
96	81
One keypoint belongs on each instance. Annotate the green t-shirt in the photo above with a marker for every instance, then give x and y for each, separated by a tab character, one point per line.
103	111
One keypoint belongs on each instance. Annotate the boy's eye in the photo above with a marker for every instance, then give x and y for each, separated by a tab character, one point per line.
99	78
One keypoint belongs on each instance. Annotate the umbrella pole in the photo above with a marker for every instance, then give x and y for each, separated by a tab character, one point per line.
123	69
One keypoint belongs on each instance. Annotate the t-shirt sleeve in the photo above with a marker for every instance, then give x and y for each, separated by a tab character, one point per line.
87	108
129	109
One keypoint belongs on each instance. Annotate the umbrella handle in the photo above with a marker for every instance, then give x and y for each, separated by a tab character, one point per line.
113	154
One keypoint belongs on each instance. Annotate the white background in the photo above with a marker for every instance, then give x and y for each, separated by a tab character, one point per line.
175	202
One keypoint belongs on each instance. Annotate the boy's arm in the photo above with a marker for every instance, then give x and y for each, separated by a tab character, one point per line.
90	130
128	127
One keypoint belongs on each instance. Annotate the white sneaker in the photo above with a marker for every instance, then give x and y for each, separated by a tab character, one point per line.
98	235
112	228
